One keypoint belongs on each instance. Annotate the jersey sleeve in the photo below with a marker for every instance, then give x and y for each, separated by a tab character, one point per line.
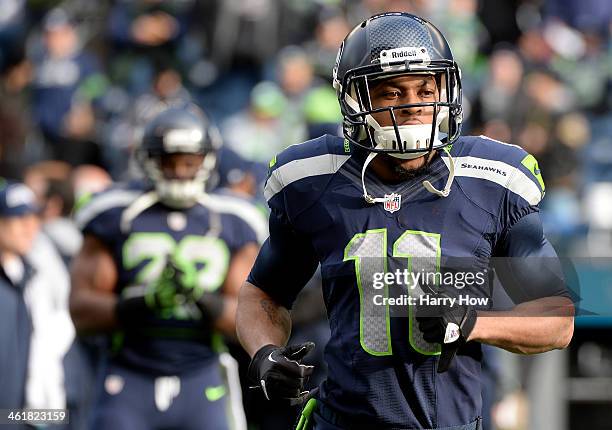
296	180
101	216
285	262
524	190
528	266
299	175
242	234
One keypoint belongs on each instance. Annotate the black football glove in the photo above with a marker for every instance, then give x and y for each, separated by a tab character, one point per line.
279	372
447	325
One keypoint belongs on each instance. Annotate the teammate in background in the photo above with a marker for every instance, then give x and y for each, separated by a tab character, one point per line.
160	269
402	189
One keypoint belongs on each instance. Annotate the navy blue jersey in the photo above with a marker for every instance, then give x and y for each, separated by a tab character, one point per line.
381	372
141	234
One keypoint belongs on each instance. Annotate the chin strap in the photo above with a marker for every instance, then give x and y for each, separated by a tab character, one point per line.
449	182
368	198
426	184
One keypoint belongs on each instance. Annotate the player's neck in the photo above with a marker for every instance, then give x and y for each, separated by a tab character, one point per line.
394	170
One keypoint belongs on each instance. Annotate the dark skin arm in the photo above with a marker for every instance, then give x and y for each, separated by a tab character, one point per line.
92	297
529	328
238	271
260	320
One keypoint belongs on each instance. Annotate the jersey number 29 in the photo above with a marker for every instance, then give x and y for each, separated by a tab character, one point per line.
209	256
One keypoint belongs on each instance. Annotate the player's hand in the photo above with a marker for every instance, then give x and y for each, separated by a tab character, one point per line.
164	294
160	297
447	324
280	373
187	290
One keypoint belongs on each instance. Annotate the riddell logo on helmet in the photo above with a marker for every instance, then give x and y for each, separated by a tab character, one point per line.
403	54
399	58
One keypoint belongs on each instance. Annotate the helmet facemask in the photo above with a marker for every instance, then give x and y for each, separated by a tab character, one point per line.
179	193
401	141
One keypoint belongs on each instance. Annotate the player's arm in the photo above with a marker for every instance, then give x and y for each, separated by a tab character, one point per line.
285	263
531	274
241	264
93	278
260	319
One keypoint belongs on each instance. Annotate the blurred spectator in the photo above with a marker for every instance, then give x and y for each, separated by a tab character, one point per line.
47	299
34	285
463	30
37	177
295	75
18	228
360	10
15	74
13	31
497	129
145	32
67	79
329	34
242	32
500	93
51	183
546	95
294	72
257	132
125	130
499	18
534	49
581	62
321	112
58	188
240	177
57	224
588	15
88	180
13	129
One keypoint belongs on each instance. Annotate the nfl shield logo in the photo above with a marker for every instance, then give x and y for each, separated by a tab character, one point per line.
393	202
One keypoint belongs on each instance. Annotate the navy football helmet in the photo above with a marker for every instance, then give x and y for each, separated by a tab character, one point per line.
187	130
388	45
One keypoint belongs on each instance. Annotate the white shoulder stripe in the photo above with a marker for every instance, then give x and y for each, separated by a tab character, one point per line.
240	208
499	141
499	172
103	202
303	168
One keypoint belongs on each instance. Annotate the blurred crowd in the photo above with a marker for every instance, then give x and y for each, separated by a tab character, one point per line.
80	79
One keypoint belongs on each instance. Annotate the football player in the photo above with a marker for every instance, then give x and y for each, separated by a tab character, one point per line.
160	269
402	188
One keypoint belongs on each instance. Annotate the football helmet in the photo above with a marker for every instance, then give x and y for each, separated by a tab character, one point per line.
388	45
184	130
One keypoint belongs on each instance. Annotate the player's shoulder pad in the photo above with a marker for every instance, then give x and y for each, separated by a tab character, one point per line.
240	208
115	198
306	168
509	166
